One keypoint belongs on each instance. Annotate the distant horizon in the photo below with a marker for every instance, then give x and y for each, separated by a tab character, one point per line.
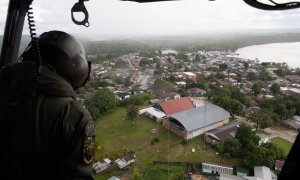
99	37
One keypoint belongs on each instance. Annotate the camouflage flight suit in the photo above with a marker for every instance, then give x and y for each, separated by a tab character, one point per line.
45	132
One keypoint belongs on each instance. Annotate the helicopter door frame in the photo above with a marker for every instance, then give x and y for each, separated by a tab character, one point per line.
13	30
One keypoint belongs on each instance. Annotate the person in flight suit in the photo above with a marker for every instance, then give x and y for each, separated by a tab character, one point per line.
45	132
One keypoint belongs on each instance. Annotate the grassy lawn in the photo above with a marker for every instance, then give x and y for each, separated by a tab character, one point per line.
284	144
115	132
164	172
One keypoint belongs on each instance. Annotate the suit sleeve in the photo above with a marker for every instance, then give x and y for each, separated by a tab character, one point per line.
79	141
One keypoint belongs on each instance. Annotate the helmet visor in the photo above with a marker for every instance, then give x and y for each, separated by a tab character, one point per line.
89	74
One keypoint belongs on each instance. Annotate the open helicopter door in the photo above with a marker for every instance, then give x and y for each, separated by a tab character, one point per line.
17	10
16	13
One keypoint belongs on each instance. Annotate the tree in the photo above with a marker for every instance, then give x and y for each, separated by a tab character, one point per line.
249	102
172	78
259	157
223	67
282	72
263	155
197	57
256	88
246	65
132	112
262	118
161	86
274	149
144	62
252	76
182	92
275	88
237	94
182	56
103	101
230	146
136	173
265	76
236	107
245	135
127	81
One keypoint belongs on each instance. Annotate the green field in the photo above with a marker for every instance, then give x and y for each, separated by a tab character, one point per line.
164	172
114	132
284	144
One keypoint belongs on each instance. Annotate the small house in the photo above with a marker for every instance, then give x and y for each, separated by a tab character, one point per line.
293	123
122	95
101	165
169	96
126	160
196	92
189	76
152	113
215	168
215	136
279	164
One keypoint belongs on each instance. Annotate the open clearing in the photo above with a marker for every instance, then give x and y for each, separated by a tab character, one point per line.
114	132
282	143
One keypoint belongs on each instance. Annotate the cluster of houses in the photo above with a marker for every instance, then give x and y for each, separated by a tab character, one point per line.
121	162
236	73
189	117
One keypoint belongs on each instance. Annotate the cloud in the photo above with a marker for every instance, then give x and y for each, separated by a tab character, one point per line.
119	18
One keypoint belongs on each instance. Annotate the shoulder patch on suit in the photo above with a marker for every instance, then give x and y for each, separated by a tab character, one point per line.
89	143
90	128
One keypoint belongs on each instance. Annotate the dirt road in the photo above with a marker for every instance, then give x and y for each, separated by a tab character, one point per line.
287	135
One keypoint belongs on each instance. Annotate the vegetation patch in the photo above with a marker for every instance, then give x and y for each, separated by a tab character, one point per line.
162	172
283	144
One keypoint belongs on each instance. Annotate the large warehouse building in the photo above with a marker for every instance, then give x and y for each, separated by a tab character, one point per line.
196	121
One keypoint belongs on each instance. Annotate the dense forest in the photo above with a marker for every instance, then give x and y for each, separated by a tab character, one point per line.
211	41
188	43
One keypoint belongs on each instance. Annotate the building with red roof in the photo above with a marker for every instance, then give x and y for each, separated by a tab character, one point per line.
176	105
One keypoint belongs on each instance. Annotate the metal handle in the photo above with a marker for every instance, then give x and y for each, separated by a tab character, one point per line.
79	7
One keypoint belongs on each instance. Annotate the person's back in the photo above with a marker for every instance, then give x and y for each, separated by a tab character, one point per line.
46	133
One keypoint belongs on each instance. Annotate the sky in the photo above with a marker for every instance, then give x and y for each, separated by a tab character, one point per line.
114	18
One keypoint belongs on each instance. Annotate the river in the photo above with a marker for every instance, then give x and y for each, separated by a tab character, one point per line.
275	52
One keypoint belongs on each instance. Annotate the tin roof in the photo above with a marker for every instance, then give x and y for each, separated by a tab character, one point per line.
200	117
176	105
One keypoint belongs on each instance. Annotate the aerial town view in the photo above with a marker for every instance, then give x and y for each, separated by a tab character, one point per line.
203	114
146	90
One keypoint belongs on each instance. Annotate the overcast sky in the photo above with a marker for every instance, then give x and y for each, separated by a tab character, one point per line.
119	18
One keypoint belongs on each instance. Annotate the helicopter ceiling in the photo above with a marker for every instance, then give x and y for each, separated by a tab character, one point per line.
260	4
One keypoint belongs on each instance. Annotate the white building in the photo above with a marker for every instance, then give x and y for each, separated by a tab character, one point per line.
125	160
152	113
189	75
101	165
